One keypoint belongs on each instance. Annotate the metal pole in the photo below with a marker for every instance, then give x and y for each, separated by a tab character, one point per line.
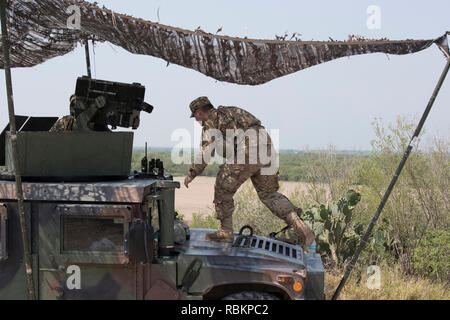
88	59
393	181
13	132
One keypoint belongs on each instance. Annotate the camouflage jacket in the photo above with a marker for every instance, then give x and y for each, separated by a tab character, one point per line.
225	119
80	122
66	123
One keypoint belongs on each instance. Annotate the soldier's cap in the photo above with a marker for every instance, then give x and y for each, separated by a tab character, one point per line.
199	103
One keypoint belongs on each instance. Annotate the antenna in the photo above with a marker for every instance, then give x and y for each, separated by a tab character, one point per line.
88	59
144	161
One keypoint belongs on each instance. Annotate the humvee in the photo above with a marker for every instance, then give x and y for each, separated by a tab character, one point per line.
100	231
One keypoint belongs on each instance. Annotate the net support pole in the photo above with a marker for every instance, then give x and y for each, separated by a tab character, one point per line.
13	133
393	181
88	59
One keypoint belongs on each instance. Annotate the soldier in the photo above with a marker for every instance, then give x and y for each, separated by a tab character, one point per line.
232	175
80	117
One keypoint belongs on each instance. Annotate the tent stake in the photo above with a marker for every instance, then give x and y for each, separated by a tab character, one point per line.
392	184
13	133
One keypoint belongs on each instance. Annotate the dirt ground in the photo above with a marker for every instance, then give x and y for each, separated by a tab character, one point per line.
199	197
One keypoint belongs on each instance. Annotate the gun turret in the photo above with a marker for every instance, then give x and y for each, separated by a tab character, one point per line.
124	102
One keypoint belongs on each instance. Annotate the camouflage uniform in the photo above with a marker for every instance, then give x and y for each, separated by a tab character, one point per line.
80	116
231	176
66	123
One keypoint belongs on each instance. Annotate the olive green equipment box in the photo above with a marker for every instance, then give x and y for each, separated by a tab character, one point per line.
69	156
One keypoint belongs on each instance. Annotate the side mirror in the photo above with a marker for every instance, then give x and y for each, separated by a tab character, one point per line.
139	240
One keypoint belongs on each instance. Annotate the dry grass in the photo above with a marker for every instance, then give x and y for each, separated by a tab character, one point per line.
395	285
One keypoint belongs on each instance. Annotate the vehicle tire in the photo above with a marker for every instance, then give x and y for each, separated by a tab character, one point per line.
251	295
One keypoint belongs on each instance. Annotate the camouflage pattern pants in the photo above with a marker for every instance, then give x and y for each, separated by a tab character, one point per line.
232	176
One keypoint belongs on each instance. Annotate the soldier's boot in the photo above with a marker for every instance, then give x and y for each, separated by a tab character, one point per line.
300	227
224	234
220	236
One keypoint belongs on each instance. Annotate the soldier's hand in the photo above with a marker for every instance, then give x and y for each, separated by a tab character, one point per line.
187	180
100	102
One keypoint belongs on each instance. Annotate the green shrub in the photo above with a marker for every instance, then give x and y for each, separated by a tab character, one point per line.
204	221
420	200
432	255
336	236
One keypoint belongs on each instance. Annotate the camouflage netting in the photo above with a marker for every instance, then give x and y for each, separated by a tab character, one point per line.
39	31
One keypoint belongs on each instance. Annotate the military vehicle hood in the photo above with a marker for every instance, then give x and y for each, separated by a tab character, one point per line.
254	249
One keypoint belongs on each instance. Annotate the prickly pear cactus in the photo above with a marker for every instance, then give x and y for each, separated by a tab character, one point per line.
336	237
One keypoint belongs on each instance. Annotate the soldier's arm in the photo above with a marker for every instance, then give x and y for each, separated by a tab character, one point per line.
82	121
199	160
63	124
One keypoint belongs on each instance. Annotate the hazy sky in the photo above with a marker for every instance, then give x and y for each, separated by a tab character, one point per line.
332	103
